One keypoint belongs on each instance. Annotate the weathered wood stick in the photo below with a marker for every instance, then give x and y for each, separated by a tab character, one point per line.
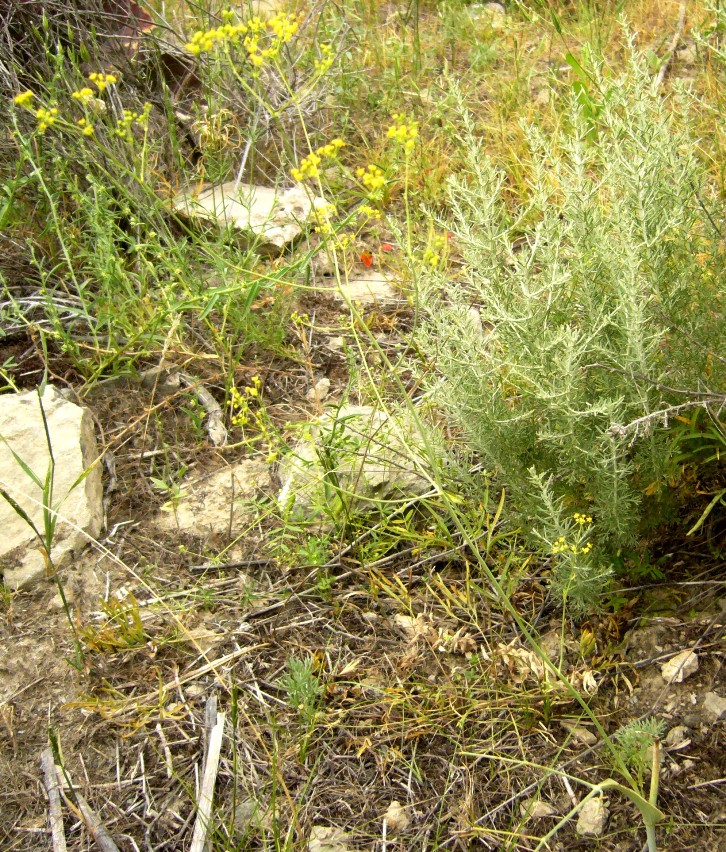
55	817
96	828
206	794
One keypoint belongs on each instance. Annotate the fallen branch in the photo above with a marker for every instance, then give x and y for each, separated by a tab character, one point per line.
206	794
215	419
80	806
52	786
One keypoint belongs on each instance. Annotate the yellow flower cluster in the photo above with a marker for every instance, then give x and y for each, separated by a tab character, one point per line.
102	81
24	99
83	95
140	119
403	132
434	251
369	212
280	29
86	127
326	59
284	26
371	177
240	402
322	214
46	118
581	519
308	167
561	546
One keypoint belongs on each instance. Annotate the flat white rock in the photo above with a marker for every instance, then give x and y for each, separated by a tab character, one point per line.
327	838
214	503
79	504
271	218
354	455
678	668
365	287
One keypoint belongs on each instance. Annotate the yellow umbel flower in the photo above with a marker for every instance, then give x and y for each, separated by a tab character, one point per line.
308	167
86	127
371	177
46	118
83	95
102	81
24	99
403	132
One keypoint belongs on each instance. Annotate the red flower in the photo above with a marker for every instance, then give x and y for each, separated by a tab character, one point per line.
366	258
386	247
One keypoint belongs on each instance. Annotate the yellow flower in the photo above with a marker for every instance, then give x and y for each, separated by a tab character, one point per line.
371	177
86	128
308	167
46	118
102	81
403	132
24	99
369	212
84	95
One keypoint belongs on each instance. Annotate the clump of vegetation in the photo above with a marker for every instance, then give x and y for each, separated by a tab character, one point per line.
558	339
537	188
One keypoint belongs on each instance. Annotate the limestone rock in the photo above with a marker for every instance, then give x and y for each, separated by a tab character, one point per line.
327	838
79	504
354	456
397	818
678	668
714	706
213	503
319	392
269	218
593	817
536	809
365	287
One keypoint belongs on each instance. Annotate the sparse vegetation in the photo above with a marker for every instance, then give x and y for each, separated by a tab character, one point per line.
442	664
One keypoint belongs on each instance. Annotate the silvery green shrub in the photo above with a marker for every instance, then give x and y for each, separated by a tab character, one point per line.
577	315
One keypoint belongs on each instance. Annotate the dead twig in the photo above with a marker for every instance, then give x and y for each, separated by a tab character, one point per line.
55	818
82	809
215	419
209	779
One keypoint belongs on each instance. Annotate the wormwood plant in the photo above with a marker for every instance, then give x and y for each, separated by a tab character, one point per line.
583	295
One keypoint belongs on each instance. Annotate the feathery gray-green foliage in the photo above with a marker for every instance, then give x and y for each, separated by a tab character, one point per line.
583	293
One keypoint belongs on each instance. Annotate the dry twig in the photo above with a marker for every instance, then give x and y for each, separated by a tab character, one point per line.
211	765
55	818
82	809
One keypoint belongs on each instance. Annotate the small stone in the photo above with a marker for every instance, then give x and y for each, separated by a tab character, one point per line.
579	732
542	98
677	737
327	838
714	706
319	392
686	56
335	344
678	668
593	817
536	809
396	818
